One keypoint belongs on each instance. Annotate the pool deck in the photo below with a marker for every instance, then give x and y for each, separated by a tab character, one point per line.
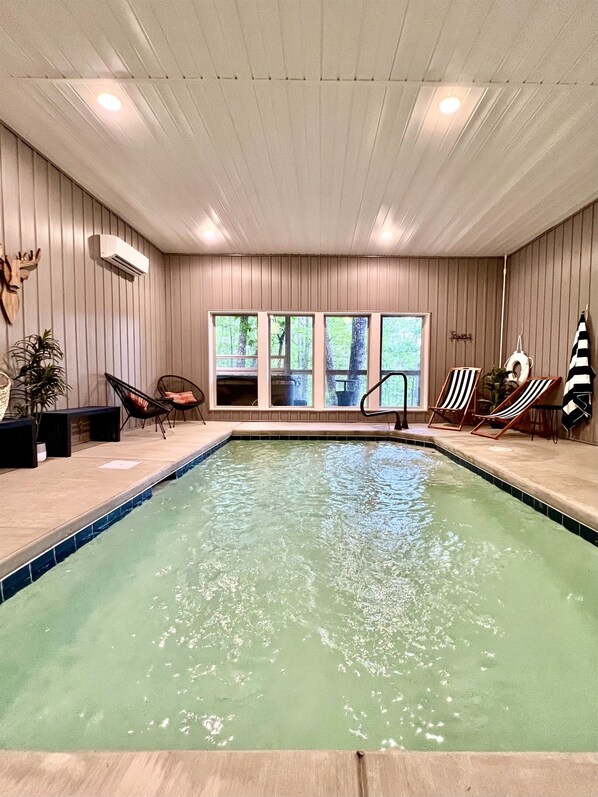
302	773
40	507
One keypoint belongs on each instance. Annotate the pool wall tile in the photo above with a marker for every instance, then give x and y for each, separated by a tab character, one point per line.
43	563
571	524
87	534
64	549
588	534
16	581
102	523
34	569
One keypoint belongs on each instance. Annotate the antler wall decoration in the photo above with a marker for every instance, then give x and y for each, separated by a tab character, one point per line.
13	273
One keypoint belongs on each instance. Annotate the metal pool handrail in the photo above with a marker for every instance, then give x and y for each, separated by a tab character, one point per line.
398	423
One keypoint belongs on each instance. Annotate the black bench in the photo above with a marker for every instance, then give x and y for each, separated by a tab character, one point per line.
17	443
55	427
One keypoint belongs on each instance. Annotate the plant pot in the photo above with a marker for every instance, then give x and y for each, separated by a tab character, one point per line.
41	452
345	398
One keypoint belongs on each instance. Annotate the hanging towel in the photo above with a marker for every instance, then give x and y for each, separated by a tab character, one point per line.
577	399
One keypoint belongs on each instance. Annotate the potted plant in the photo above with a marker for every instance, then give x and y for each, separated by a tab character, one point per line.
40	378
495	388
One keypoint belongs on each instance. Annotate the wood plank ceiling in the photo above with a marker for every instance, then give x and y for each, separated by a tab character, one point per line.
312	126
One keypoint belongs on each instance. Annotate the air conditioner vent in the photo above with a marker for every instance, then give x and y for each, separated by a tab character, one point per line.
122	255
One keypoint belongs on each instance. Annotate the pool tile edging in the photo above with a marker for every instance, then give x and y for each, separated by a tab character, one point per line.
26	574
569	523
29	572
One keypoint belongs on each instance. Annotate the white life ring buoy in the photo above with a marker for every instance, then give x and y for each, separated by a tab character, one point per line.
519	365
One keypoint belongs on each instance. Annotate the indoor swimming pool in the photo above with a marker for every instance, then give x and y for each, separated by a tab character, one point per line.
303	595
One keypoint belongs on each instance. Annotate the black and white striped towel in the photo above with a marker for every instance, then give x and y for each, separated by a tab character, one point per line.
577	399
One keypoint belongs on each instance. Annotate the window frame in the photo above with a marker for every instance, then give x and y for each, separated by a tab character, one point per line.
368	381
213	370
374	354
292	314
424	360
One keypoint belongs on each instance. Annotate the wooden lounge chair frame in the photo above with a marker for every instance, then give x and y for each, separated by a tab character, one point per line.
511	424
449	415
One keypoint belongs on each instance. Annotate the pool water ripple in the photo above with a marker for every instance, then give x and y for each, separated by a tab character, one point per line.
311	595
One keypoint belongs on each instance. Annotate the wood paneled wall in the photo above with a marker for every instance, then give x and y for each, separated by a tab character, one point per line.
104	319
462	294
140	328
550	280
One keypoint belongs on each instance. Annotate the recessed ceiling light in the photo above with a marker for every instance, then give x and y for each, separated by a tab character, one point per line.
387	235
209	234
449	104
109	101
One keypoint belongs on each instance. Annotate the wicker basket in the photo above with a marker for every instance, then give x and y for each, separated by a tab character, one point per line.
5	384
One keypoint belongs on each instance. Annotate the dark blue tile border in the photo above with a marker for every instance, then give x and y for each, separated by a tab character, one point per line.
64	549
43	563
198	459
569	523
15	581
25	575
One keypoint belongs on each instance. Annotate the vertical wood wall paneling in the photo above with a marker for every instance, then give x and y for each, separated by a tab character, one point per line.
461	294
550	280
104	320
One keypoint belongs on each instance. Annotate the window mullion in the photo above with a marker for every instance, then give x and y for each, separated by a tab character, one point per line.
374	354
263	361
319	361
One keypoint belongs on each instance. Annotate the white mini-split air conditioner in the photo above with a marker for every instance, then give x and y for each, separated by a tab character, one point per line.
120	254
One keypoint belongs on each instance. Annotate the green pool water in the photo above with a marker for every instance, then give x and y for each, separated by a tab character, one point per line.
311	595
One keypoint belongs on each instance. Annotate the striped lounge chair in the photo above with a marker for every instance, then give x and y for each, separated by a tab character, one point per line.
514	408
457	398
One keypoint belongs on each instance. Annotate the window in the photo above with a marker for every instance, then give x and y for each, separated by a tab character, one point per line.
401	350
346	360
309	361
235	339
291	360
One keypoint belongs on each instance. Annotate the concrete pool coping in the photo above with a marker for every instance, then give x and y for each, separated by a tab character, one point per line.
292	773
39	508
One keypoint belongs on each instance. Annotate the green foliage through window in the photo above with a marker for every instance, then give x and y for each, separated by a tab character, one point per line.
346	360
291	361
401	350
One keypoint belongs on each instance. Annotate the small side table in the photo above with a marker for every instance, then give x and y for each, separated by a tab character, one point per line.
17	443
547	420
55	427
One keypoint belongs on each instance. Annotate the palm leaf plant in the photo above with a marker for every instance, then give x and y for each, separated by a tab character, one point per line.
40	379
496	387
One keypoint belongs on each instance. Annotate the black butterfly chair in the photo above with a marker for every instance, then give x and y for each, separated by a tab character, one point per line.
139	405
170	383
